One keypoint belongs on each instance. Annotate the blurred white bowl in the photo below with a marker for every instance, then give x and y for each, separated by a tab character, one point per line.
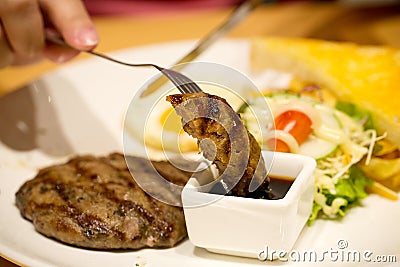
245	226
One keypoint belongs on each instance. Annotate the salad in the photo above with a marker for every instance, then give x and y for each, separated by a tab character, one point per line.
339	137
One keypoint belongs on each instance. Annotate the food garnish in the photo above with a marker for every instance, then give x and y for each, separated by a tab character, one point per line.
332	137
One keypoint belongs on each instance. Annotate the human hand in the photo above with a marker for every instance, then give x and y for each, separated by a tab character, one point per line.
24	24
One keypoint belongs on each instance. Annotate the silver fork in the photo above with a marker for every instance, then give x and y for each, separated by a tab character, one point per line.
182	82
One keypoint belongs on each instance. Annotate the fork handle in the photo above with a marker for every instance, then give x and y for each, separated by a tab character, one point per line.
62	42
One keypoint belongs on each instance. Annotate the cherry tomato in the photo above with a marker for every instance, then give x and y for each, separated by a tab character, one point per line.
294	122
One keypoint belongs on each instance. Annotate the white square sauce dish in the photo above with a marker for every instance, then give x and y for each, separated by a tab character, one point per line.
246	226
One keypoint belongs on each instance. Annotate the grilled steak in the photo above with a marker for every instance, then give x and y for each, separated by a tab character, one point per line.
224	140
93	202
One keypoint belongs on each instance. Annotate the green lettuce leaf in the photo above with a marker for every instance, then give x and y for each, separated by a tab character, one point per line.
357	113
351	189
314	214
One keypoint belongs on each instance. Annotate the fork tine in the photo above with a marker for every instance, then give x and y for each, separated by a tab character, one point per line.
183	83
195	87
179	83
189	85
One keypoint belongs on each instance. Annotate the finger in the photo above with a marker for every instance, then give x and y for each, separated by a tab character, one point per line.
59	54
6	54
72	21
23	26
55	52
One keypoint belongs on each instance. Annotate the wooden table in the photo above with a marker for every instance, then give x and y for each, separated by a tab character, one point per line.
330	21
301	19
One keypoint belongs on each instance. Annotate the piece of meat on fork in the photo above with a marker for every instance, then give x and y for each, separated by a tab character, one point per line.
224	140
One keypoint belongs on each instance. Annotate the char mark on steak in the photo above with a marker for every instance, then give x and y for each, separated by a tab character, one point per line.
93	202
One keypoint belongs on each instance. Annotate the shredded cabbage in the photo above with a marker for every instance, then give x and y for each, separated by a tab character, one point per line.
336	176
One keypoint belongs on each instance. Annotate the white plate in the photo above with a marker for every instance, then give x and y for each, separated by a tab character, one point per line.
88	101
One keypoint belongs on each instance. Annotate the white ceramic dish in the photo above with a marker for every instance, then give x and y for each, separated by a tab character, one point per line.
245	226
79	108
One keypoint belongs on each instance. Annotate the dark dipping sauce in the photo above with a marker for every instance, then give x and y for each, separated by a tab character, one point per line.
280	185
278	188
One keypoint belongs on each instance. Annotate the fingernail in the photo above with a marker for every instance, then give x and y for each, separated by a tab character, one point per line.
87	37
